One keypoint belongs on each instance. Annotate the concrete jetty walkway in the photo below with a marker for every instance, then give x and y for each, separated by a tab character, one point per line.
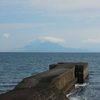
53	84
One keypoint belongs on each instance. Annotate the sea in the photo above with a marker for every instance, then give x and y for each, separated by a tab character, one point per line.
14	66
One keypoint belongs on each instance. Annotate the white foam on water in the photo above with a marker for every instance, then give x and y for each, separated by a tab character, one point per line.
73	95
78	98
81	85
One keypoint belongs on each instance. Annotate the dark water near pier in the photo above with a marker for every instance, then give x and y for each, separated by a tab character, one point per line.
16	66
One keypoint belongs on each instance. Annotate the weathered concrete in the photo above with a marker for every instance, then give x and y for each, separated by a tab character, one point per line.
61	77
61	81
43	80
49	94
81	70
69	86
34	94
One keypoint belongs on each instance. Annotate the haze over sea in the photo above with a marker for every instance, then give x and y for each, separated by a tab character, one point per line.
16	66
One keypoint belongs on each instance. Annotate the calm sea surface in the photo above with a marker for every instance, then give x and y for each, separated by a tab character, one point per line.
16	66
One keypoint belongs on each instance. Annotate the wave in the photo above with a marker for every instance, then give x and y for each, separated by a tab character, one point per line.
73	95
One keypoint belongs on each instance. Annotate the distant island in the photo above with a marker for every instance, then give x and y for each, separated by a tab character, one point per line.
47	47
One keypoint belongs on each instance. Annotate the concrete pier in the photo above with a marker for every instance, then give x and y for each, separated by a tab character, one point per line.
53	84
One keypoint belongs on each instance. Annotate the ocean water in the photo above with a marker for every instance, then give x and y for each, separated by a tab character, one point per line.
16	66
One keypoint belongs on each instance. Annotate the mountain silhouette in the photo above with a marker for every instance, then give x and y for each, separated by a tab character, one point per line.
47	47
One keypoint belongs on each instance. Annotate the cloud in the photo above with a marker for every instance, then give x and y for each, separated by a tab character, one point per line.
6	35
55	4
65	8
51	39
30	40
12	2
65	4
22	25
92	40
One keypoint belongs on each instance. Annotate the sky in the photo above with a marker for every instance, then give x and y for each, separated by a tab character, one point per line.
71	23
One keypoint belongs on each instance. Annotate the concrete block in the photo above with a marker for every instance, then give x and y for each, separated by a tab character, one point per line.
81	72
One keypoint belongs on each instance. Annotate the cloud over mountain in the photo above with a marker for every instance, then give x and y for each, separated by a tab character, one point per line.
51	39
